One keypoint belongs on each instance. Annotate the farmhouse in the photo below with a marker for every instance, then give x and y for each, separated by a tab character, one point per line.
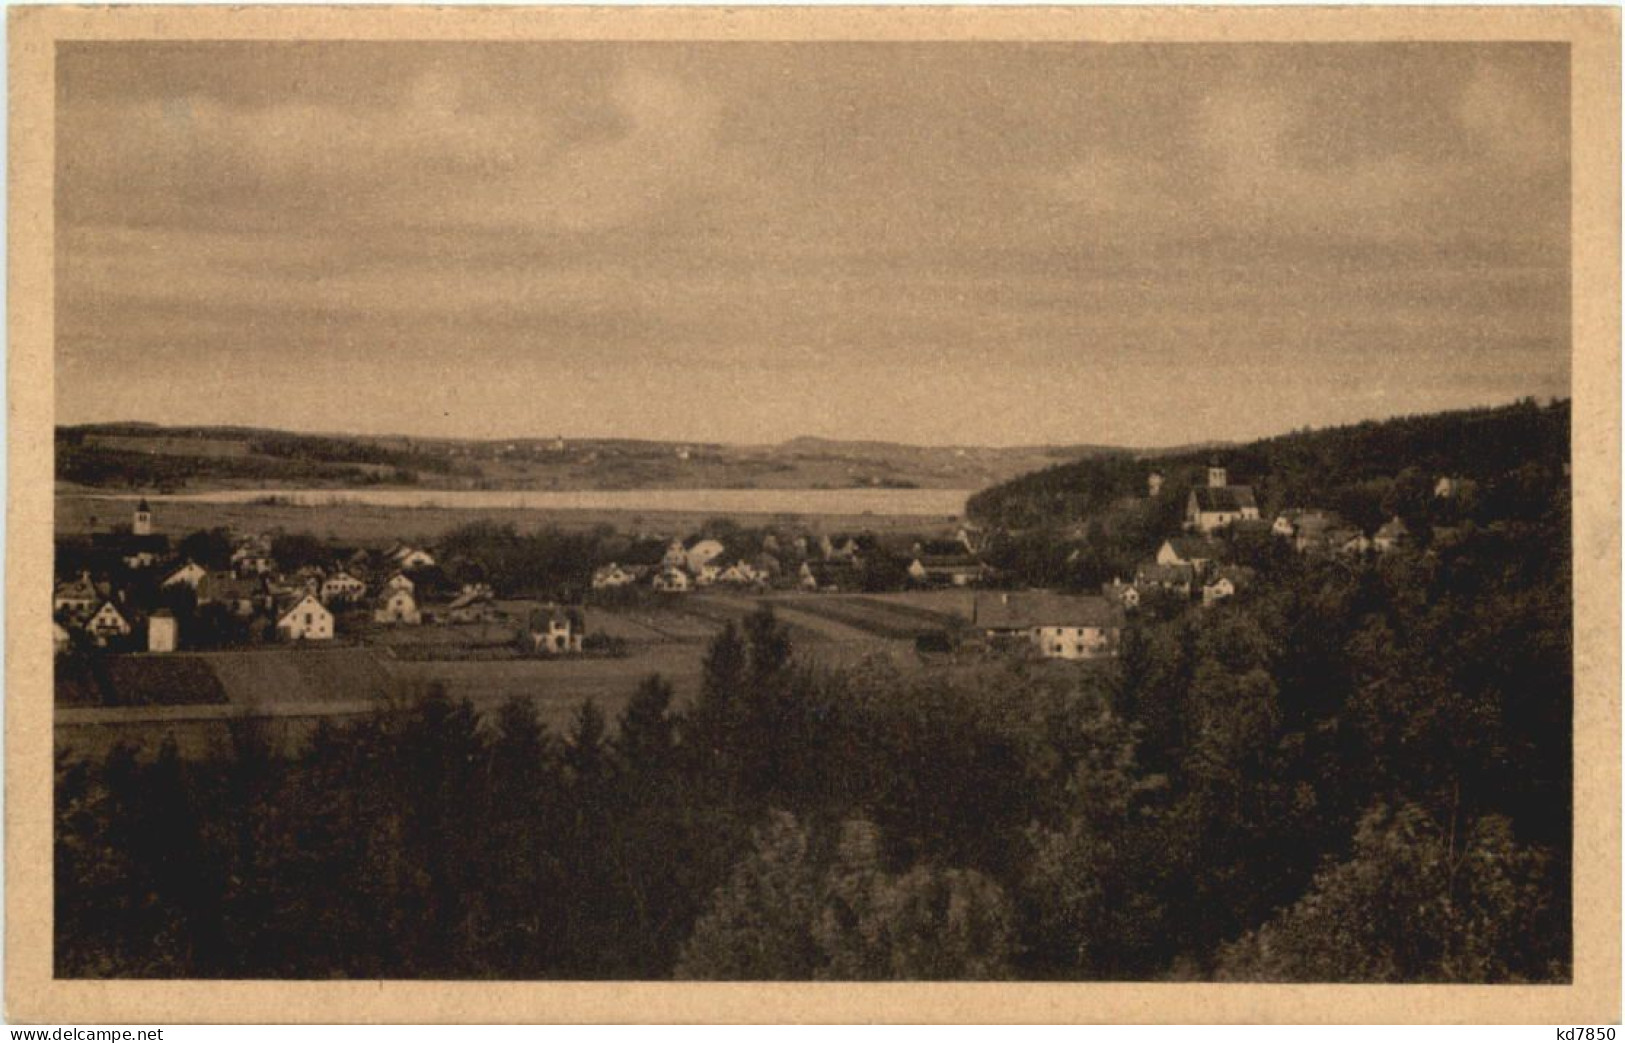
1057	626
1200	553
956	570
609	576
395	605
1308	529
341	586
107	623
301	617
1180	578
1219	503
77	597
242	595
829	575
407	558
671	580
476	604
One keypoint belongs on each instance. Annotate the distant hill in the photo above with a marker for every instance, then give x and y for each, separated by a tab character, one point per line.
152	457
1356	469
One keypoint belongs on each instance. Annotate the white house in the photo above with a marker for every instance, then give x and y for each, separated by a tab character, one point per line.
1057	626
76	597
395	605
1218	590
739	573
400	581
189	573
107	623
609	576
303	617
671	580
957	570
341	586
406	557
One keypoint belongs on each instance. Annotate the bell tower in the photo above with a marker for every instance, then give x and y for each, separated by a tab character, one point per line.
141	525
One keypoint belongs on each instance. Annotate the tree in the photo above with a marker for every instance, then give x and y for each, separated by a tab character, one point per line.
210	548
759	923
1415	903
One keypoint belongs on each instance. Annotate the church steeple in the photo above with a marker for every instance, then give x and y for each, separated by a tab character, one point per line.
141	525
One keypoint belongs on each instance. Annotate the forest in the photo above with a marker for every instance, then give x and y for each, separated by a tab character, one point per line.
1361	773
1353	469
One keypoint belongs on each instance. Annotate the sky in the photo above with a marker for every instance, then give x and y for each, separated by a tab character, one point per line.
935	243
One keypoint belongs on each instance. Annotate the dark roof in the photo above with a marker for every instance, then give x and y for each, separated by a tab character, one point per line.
1197	548
225	585
1164	574
1230	498
1027	609
285	603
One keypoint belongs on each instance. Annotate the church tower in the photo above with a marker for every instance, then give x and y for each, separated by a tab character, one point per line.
142	524
1217	477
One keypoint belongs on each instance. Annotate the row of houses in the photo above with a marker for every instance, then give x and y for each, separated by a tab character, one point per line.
303	605
827	562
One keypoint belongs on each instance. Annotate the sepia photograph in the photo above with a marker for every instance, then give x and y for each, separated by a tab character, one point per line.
1051	510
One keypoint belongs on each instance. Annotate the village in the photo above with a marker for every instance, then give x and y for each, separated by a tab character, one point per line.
136	590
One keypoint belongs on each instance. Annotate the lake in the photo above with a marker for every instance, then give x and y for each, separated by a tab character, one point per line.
893	502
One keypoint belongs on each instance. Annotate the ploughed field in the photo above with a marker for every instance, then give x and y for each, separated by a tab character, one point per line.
195	698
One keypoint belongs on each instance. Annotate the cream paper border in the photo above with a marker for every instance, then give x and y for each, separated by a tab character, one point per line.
1594	996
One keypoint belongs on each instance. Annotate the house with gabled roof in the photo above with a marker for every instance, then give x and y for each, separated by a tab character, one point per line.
243	595
188	572
1180	578
1057	626
952	570
302	617
1201	553
670	579
76	597
340	586
107	623
397	606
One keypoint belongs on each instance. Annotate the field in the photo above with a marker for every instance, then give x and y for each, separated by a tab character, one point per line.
192	696
79	513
